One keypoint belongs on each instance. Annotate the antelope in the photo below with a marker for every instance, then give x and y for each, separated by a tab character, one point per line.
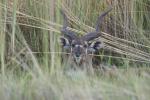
82	48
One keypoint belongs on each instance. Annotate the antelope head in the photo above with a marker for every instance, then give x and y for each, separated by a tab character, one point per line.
81	47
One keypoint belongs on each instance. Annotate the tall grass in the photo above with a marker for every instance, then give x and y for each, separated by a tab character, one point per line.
30	54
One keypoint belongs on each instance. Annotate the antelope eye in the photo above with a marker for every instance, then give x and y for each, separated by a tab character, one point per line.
85	46
73	45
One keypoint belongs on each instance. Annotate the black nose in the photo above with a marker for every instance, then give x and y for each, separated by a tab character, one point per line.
78	54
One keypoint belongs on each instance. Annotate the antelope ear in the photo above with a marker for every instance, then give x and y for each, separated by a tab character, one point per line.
96	45
64	42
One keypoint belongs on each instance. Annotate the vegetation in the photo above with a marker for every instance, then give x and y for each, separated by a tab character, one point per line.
30	54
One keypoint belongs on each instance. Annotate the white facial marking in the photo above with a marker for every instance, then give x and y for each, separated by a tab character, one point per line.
81	46
77	45
78	59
